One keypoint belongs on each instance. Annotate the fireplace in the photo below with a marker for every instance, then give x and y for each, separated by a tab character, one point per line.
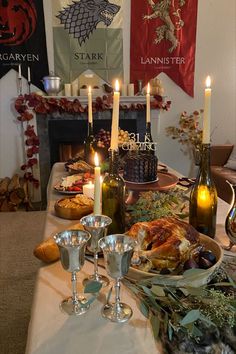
56	131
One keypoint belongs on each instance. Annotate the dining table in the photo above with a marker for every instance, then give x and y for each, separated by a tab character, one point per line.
52	332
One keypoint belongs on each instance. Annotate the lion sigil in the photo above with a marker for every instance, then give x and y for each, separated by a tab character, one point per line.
162	10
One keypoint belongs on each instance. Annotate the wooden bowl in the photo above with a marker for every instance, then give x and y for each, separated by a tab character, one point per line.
194	279
73	213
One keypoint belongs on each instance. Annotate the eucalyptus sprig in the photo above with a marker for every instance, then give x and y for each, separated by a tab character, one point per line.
187	310
155	205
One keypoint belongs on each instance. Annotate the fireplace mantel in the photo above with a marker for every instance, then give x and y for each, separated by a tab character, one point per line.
126	100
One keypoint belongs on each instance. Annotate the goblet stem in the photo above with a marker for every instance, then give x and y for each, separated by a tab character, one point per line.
96	275
74	288
117	295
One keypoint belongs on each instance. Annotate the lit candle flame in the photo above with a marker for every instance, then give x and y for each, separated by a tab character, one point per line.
204	197
117	86
96	160
89	89
208	82
148	88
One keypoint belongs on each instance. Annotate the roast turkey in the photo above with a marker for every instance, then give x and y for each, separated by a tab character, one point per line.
167	242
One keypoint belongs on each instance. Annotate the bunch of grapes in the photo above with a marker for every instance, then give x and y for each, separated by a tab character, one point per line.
123	136
103	138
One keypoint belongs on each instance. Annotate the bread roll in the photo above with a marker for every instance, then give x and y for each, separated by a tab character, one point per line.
48	251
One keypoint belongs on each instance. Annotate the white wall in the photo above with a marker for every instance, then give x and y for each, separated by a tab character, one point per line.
215	55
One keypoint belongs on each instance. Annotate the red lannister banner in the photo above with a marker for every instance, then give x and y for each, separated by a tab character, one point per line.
163	39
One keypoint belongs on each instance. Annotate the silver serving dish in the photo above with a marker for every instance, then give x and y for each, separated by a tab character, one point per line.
52	84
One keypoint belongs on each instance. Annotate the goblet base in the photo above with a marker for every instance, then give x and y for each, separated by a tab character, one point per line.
100	278
73	308
120	315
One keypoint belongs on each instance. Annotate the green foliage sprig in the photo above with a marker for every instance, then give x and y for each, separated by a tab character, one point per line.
172	311
155	205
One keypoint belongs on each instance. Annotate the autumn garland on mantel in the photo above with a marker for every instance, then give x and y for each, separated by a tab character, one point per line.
28	104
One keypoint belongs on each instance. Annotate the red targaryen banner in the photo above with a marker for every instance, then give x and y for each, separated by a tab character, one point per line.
163	39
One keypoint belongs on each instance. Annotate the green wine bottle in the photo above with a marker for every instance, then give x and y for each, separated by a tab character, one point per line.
203	198
149	146
148	133
88	145
113	196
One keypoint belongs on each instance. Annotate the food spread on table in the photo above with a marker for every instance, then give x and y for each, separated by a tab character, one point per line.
78	166
171	245
74	183
78	201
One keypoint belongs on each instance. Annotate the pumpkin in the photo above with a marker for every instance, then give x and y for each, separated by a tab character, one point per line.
17	21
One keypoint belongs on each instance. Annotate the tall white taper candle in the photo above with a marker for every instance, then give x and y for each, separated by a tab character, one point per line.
148	117
115	118
97	186
90	110
207	113
19	71
29	76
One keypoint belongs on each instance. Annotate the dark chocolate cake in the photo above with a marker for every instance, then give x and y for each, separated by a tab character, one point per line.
140	167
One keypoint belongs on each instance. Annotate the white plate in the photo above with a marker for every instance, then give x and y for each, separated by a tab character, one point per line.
58	188
69	181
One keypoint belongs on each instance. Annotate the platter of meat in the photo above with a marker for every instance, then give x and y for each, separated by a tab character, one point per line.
178	254
73	184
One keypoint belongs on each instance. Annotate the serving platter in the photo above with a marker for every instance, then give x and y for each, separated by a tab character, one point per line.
58	188
73	184
191	278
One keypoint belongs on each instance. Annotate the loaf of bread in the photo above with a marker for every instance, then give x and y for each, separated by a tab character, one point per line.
48	251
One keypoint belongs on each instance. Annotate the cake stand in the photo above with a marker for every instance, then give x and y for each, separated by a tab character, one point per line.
165	181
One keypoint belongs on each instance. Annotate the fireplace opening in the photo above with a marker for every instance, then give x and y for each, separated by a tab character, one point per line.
66	137
69	151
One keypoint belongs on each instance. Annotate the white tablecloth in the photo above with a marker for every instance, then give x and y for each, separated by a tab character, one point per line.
52	332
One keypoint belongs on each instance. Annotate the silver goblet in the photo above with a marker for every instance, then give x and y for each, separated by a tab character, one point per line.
71	245
97	226
118	250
